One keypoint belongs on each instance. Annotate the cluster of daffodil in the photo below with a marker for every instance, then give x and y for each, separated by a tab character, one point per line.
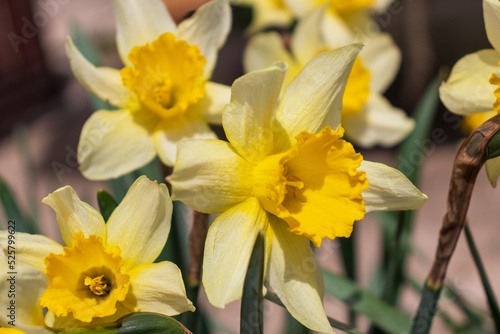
473	88
285	169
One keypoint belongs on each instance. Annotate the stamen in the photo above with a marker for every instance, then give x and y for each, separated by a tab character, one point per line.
293	185
97	285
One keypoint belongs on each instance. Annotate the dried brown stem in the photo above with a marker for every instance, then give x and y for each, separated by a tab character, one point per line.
196	246
470	158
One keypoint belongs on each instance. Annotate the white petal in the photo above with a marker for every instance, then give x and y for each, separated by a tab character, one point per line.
493	170
300	7
248	119
216	98
378	123
210	176
75	216
267	14
491	12
307	39
295	276
138	23
389	189
228	248
383	58
313	99
263	50
105	82
335	30
141	222
468	89
31	249
172	131
158	288
381	5
114	143
208	29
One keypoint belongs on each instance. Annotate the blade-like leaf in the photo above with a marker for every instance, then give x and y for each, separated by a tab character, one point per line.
22	224
252	300
107	204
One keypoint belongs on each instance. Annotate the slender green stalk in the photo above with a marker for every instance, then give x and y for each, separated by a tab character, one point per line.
348	252
492	301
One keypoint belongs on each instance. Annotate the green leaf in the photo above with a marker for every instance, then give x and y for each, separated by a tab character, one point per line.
107	203
22	224
252	300
366	303
426	310
494	146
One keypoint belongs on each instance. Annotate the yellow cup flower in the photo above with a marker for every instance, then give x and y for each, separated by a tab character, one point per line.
105	271
472	89
163	94
290	175
368	118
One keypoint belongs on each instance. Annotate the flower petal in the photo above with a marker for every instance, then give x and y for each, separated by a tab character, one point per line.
491	12
307	39
216	97
210	176
383	58
171	131
158	288
378	123
138	23
104	82
313	99
141	223
247	120
493	170
208	29
263	50
31	249
30	284
300	7
228	248
389	189
468	89
74	216
113	143
335	30
295	276
267	14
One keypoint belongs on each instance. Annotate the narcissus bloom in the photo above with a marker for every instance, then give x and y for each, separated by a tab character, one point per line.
163	94
368	118
267	13
106	270
344	8
290	175
473	88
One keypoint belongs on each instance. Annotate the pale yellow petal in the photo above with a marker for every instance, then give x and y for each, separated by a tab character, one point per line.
468	89
267	14
171	131
383	58
378	123
138	23
216	97
307	39
335	30
295	276
313	99
263	50
248	119
389	189
381	5
74	216
141	222
493	170
228	248
157	288
210	176
30	249
105	82
301	7
208	29
114	143
491	12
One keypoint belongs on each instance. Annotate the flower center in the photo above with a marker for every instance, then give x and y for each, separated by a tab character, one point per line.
166	76
86	280
315	186
345	7
97	285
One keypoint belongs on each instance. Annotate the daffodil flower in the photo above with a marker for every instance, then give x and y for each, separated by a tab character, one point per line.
473	87
163	94
106	270
368	118
267	13
290	175
344	8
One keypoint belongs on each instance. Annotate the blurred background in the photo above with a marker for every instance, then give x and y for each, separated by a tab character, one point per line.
43	109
